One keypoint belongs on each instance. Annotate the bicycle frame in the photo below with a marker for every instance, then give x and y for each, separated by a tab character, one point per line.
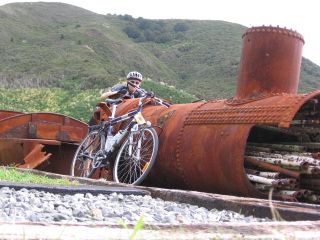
111	140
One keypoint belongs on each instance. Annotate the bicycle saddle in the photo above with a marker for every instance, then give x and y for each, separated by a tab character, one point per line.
113	101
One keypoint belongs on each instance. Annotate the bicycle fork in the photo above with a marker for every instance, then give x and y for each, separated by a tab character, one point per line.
134	130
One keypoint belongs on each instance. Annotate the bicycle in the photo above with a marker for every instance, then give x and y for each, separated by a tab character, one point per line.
137	143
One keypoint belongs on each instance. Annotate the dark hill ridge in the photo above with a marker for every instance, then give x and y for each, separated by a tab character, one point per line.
56	44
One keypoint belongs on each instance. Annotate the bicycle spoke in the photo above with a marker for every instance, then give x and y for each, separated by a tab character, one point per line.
133	169
82	164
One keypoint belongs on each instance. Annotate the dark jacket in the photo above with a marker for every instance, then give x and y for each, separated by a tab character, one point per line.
124	90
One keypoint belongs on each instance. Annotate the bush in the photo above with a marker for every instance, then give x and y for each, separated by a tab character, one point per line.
143	30
149	35
180	27
127	17
163	38
132	32
143	23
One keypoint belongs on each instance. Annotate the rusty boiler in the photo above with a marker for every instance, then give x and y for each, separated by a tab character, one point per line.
265	137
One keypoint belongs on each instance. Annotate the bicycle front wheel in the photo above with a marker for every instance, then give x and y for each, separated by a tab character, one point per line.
82	163
136	156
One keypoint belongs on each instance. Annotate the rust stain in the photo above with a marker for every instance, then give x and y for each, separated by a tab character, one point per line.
163	118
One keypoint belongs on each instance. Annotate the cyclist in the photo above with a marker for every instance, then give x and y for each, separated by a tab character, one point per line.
129	89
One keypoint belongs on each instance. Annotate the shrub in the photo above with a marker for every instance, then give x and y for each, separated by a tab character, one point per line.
180	27
132	32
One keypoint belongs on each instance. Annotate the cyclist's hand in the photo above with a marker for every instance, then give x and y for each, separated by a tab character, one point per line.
150	94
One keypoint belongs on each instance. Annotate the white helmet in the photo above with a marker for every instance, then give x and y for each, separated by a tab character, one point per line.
134	75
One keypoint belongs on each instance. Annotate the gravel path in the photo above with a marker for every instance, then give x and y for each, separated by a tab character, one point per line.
38	206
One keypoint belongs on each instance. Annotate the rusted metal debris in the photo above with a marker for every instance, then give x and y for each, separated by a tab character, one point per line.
34	156
45	141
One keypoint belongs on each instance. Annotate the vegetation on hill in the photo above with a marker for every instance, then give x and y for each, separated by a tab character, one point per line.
66	47
79	104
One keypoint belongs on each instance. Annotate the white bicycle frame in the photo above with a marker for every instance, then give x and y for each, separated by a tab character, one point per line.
111	141
134	129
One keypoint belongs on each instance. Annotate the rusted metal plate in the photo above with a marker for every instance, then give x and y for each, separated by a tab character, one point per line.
11	152
56	131
22	153
34	156
43	125
41	141
6	113
277	109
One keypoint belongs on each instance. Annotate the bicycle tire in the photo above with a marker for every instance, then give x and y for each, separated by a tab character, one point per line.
81	165
131	169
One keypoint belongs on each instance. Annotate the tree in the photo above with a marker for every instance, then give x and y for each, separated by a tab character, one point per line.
127	17
180	27
149	35
163	38
132	32
143	23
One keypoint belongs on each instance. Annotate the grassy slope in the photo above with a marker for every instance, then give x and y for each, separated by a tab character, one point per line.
207	60
65	48
55	44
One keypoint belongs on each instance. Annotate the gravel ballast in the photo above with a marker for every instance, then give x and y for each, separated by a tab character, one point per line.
39	206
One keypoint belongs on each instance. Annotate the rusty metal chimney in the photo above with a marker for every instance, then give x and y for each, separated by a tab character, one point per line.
270	62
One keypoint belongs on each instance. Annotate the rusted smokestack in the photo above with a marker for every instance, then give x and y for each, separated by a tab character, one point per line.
270	62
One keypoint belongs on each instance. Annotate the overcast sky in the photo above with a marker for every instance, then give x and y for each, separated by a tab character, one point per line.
302	16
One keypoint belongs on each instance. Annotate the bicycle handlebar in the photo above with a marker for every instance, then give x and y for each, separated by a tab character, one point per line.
150	94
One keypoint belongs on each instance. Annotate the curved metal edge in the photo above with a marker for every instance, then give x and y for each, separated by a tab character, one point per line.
300	100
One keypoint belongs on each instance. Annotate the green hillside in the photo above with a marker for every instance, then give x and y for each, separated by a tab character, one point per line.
63	46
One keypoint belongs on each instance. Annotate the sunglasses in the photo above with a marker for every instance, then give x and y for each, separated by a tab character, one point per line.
135	82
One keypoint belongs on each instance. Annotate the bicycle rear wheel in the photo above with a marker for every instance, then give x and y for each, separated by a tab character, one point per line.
82	163
136	156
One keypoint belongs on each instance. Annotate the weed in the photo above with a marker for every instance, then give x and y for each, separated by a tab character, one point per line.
138	227
274	212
